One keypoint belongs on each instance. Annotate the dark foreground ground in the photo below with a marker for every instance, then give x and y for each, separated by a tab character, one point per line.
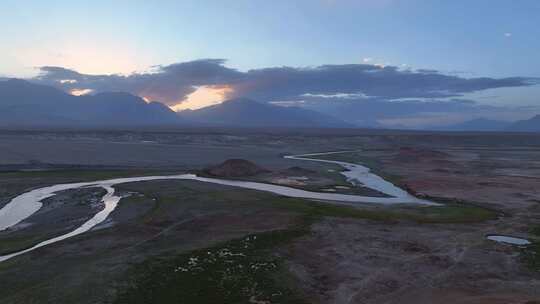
191	242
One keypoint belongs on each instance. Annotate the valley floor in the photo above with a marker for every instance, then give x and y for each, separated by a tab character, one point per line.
192	242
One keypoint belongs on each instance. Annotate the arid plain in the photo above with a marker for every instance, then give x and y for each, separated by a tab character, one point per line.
195	242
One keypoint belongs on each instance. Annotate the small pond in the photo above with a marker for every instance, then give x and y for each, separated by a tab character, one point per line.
508	239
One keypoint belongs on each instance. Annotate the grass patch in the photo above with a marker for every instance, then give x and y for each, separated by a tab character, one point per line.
237	271
15	244
452	213
449	213
531	256
531	253
536	231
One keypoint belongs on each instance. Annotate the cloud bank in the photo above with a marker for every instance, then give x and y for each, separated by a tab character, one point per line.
168	84
171	84
360	90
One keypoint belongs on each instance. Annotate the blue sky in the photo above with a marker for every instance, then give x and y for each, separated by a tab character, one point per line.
462	36
465	38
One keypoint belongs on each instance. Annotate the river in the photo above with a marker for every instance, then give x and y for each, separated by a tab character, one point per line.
26	204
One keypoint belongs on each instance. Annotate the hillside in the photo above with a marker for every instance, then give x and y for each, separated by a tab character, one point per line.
528	125
248	113
23	104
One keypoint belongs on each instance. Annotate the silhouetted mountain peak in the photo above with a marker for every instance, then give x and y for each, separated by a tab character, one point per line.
28	104
18	85
241	103
116	95
119	97
16	81
25	103
528	125
241	100
245	112
478	124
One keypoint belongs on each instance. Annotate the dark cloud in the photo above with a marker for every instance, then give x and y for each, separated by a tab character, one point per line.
172	83
168	84
381	82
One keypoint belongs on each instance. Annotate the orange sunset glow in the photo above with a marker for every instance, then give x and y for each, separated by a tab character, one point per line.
204	96
80	92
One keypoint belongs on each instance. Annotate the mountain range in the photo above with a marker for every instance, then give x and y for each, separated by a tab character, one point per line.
244	112
479	124
488	125
528	125
26	104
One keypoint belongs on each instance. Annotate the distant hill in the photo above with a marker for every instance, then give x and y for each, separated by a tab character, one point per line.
235	168
528	125
479	124
23	103
248	113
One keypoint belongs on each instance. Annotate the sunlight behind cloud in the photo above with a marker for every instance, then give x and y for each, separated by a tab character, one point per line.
80	92
204	96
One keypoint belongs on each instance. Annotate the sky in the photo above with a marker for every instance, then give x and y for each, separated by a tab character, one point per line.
464	39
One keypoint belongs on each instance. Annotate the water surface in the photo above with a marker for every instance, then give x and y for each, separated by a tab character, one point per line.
508	240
